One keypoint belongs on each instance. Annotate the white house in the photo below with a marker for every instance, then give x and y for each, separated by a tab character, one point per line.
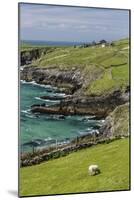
103	45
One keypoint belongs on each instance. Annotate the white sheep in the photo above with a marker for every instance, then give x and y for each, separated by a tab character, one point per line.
94	170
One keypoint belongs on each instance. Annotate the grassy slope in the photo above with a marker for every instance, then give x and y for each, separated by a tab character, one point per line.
70	174
113	62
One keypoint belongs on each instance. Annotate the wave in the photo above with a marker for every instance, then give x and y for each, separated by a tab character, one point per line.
31	116
23	81
55	117
47	100
25	111
102	121
47	139
90	130
38	98
37	84
28	82
28	114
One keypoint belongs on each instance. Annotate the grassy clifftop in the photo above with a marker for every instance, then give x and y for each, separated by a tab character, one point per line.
57	176
105	57
108	67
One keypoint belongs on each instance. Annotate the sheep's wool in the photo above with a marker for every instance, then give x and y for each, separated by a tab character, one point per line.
94	170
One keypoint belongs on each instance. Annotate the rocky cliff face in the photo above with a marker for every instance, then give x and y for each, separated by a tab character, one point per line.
113	106
98	106
69	80
117	123
27	56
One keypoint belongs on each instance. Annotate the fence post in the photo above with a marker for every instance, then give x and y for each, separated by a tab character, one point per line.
94	138
33	148
77	140
21	149
56	144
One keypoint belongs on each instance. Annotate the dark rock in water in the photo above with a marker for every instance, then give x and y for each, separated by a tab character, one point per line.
99	107
56	117
35	143
73	83
96	126
49	90
31	143
35	105
61	117
87	118
43	104
53	98
38	105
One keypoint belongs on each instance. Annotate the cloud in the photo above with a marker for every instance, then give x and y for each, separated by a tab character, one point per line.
38	18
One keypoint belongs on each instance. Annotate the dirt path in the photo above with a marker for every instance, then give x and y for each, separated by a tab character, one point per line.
61	56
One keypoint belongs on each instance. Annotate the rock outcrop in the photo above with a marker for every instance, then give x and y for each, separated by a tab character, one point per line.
117	123
28	55
68	81
73	82
98	106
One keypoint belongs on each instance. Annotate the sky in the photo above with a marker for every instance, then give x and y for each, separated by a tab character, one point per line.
62	23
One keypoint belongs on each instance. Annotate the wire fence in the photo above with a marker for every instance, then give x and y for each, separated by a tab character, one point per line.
44	153
39	145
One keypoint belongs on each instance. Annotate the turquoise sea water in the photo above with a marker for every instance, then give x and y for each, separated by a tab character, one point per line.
48	127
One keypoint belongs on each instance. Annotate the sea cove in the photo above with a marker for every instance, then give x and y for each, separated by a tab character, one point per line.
48	128
74	70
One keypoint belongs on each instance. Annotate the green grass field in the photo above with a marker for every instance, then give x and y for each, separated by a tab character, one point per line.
108	67
70	174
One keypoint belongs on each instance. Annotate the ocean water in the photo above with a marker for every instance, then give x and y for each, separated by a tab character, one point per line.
44	127
51	43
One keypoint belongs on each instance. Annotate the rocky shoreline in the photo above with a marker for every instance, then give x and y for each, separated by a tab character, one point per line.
111	106
75	102
98	106
71	82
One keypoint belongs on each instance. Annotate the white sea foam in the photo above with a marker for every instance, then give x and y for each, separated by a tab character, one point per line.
40	85
25	111
89	129
60	94
48	139
38	98
23	81
47	100
30	116
102	121
27	82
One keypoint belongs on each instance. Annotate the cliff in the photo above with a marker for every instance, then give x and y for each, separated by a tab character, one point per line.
96	79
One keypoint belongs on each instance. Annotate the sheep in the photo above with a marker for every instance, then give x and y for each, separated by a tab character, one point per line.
94	170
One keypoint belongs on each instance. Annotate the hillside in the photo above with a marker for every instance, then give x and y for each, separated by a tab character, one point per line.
57	176
117	123
103	70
